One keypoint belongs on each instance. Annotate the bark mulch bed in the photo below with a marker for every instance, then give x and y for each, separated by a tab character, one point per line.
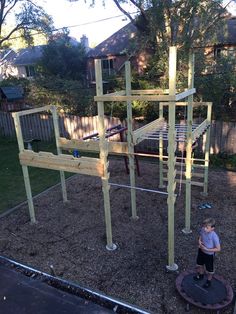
71	237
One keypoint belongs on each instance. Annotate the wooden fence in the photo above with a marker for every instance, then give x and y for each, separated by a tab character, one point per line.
40	126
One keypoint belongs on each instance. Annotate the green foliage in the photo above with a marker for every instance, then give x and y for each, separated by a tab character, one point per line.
223	160
29	16
218	85
64	59
69	95
61	81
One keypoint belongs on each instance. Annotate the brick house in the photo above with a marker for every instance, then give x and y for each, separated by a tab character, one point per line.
123	46
115	50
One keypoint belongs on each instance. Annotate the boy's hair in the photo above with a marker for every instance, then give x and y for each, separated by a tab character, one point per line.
209	222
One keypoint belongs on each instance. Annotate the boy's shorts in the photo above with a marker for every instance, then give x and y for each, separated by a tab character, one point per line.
207	260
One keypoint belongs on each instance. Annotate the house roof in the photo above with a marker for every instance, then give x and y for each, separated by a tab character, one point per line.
28	55
120	42
11	93
117	44
229	35
7	55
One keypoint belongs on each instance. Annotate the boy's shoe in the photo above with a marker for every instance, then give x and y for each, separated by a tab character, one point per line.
198	277
207	284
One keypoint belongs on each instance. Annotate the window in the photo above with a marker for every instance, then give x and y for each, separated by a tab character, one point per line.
30	71
108	66
217	52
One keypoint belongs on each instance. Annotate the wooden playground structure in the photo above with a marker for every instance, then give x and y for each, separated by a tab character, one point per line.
159	130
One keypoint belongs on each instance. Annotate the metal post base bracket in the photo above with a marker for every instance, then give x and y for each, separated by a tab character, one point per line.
186	231
111	247
134	218
172	268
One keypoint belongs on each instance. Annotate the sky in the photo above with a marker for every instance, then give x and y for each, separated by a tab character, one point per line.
67	13
82	18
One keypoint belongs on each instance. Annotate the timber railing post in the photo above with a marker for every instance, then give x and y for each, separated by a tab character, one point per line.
130	140
171	161
103	145
188	173
161	185
24	168
57	135
207	150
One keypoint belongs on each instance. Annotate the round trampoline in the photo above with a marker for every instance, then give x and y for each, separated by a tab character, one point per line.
216	297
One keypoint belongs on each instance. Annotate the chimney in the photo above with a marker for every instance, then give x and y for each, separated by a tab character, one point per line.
84	41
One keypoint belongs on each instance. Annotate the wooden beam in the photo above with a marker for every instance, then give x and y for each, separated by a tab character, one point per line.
184	182
161	149
150	92
63	162
103	155
207	149
93	146
194	174
183	164
135	97
171	160
24	168
57	134
185	94
118	93
184	103
130	139
30	111
154	125
200	130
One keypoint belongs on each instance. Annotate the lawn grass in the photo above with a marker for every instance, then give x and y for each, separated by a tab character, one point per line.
12	188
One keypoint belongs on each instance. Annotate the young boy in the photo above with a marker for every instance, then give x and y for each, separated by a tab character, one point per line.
208	244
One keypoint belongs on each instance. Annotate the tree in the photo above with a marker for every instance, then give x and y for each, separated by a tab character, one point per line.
64	58
63	79
28	17
174	22
69	95
217	84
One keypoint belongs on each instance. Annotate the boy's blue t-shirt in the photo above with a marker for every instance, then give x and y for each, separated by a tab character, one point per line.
210	240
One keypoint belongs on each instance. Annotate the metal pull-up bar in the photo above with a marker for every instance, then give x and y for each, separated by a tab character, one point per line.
138	188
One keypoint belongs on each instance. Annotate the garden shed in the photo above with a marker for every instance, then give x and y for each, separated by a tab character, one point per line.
12	98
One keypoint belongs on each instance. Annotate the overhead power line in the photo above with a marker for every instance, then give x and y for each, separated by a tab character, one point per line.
77	25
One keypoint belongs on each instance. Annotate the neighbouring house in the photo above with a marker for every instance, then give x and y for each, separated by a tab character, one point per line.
115	50
123	46
22	64
11	98
225	45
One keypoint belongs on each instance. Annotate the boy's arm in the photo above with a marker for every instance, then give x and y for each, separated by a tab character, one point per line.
199	241
215	249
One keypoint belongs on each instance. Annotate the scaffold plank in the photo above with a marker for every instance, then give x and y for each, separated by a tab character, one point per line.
63	162
93	146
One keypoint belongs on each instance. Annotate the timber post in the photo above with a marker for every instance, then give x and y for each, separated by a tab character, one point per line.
103	145
207	150
130	140
171	161
161	185
188	173
57	135
24	168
